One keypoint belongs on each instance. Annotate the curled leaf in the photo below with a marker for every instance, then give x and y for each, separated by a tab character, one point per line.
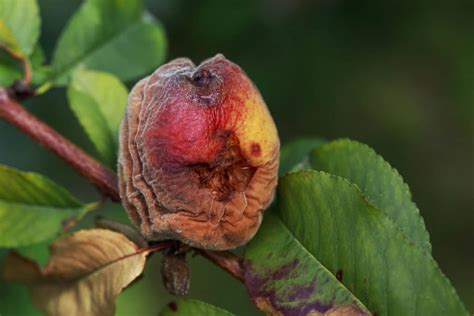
85	273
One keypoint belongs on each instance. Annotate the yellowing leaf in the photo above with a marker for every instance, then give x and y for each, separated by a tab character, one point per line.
7	39
85	273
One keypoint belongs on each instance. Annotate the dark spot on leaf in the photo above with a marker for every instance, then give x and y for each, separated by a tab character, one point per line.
261	289
255	149
339	275
69	223
173	306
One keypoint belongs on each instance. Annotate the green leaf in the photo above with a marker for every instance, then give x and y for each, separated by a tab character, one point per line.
19	25
32	208
297	152
282	276
110	35
379	182
39	70
10	69
191	307
98	100
374	258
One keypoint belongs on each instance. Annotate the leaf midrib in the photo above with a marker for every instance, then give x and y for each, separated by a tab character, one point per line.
88	274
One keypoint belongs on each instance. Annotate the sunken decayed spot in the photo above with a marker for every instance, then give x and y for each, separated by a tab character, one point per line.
199	154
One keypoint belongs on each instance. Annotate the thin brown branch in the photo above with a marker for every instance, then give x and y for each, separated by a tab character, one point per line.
159	246
103	178
27	72
226	260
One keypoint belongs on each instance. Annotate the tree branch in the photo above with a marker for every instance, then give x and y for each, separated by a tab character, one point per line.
103	178
226	260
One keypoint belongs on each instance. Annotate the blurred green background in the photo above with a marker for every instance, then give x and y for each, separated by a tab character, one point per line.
397	75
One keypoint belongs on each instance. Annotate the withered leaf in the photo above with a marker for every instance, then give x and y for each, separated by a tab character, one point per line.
85	273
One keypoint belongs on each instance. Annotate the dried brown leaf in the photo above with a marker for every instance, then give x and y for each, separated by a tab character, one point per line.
85	273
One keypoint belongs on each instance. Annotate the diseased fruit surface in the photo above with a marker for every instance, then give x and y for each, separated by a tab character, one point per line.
199	154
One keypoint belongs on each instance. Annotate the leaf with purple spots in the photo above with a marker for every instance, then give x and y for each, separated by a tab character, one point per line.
362	246
283	278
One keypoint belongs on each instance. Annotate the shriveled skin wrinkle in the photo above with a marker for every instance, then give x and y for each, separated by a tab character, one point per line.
199	154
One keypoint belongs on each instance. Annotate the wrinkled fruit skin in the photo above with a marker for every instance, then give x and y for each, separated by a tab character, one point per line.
199	154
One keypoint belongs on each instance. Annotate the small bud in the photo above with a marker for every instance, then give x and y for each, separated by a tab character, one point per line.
175	274
199	154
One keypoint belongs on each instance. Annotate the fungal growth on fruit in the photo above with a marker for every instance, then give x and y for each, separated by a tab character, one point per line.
199	154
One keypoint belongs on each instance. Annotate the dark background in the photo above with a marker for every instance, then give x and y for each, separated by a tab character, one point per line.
397	75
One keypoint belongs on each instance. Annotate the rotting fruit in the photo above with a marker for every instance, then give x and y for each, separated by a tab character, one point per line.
199	154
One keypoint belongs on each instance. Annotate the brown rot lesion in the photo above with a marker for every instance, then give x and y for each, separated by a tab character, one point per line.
214	170
202	77
230	172
207	86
